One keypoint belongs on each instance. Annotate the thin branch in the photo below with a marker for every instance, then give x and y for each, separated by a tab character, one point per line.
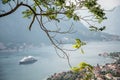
58	53
86	21
17	1
32	22
47	33
10	5
11	11
69	31
59	49
88	16
15	8
40	23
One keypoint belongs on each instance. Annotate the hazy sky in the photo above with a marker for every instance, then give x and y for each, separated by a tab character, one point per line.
109	4
113	21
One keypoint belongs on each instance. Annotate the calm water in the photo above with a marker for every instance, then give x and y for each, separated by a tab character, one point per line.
49	63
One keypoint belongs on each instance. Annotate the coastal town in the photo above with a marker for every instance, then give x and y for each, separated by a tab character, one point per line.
108	71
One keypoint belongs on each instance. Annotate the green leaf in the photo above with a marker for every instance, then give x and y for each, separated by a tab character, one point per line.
95	8
93	28
45	5
76	69
100	20
37	3
83	43
82	64
82	51
102	28
34	8
75	17
59	2
69	13
77	43
52	16
5	1
57	20
27	14
67	7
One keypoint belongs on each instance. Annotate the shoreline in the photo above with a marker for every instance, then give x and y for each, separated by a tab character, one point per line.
108	71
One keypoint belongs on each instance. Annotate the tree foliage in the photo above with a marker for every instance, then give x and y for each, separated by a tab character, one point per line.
56	11
86	69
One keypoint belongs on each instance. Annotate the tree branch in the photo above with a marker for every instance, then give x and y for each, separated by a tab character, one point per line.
32	22
11	11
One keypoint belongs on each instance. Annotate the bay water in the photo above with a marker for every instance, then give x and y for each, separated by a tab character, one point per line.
48	61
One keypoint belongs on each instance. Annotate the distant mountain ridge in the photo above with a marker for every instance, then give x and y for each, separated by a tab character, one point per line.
17	32
37	36
26	40
84	33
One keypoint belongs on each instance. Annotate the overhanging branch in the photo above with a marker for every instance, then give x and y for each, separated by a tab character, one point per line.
11	11
16	7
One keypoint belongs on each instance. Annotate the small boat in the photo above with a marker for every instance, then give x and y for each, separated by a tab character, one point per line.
28	60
